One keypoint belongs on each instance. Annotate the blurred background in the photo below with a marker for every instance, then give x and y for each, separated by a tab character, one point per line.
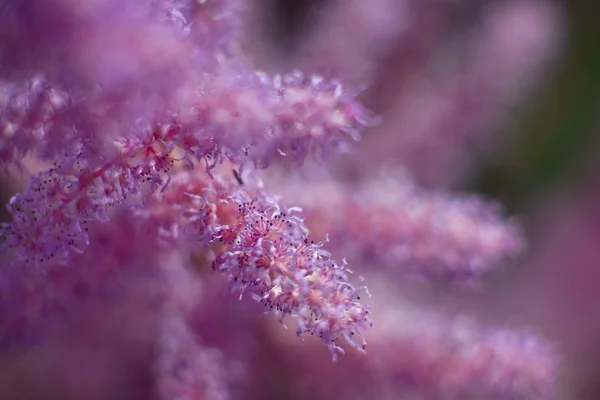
550	139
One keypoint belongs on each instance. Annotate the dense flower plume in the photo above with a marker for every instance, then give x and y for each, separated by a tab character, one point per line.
391	222
50	216
266	251
420	353
164	167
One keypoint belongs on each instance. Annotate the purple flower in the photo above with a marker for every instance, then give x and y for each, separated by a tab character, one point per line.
150	126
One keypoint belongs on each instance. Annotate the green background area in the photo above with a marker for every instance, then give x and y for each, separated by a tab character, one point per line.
558	130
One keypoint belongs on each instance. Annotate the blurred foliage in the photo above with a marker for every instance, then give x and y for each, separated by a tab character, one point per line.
558	129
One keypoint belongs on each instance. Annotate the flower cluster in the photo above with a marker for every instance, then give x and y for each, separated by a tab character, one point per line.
391	222
303	118
417	352
165	158
266	250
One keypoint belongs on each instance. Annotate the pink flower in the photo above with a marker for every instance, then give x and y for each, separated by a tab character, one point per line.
153	128
390	222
